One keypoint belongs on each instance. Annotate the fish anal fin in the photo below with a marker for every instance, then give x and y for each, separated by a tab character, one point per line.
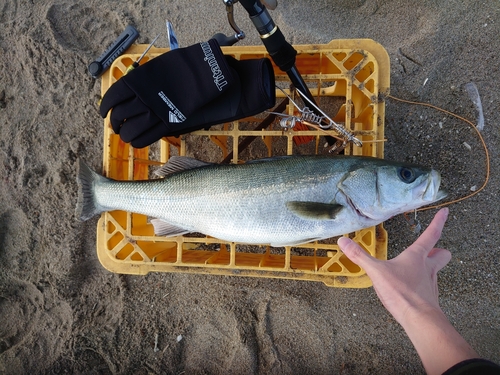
162	228
295	243
314	210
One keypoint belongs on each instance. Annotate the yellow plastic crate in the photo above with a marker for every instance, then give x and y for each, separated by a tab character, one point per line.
352	73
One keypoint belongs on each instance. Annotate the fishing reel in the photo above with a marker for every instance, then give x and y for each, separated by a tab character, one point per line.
225	40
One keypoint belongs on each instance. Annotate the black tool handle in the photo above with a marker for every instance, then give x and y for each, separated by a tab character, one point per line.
103	62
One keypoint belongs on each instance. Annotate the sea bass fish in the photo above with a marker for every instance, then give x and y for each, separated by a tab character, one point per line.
281	201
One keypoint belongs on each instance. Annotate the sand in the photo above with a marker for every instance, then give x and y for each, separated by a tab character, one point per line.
62	312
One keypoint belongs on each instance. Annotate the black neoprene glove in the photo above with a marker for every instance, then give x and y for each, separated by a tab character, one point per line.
184	90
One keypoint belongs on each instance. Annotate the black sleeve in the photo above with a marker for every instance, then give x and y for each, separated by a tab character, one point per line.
475	366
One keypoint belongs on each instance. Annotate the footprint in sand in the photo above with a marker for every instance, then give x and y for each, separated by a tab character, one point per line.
82	28
35	325
35	328
8	11
20	309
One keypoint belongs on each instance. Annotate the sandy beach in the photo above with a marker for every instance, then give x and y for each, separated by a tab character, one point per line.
63	313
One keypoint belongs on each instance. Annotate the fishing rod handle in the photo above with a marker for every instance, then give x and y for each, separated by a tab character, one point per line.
282	52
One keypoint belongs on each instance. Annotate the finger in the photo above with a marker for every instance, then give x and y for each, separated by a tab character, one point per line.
431	235
439	258
152	135
137	125
117	93
355	253
126	110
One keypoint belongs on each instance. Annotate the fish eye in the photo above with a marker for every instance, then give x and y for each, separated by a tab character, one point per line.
407	175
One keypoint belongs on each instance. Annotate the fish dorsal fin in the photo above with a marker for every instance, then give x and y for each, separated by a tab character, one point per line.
314	210
265	160
180	163
162	228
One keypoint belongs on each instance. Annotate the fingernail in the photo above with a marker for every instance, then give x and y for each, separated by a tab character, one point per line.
343	242
446	211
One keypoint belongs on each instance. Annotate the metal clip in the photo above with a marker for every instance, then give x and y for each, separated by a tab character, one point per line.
307	116
414	223
287	122
346	134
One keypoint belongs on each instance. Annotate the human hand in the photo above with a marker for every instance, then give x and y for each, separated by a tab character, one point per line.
406	284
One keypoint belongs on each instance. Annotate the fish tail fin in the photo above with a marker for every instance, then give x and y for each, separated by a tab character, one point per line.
86	206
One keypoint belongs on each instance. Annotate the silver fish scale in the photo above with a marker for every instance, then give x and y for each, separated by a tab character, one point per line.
248	203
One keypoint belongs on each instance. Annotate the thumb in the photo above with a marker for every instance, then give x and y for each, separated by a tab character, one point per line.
355	253
439	258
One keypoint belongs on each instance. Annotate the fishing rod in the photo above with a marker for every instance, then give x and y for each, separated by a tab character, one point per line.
282	53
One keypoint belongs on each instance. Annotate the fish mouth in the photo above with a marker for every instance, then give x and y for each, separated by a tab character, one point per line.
358	211
441	194
432	192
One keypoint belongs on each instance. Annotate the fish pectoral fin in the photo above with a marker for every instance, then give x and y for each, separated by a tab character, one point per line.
162	228
314	210
180	163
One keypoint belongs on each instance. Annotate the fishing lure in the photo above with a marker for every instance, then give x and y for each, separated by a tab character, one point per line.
308	117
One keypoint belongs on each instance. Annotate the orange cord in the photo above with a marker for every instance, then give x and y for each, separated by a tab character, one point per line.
487	155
